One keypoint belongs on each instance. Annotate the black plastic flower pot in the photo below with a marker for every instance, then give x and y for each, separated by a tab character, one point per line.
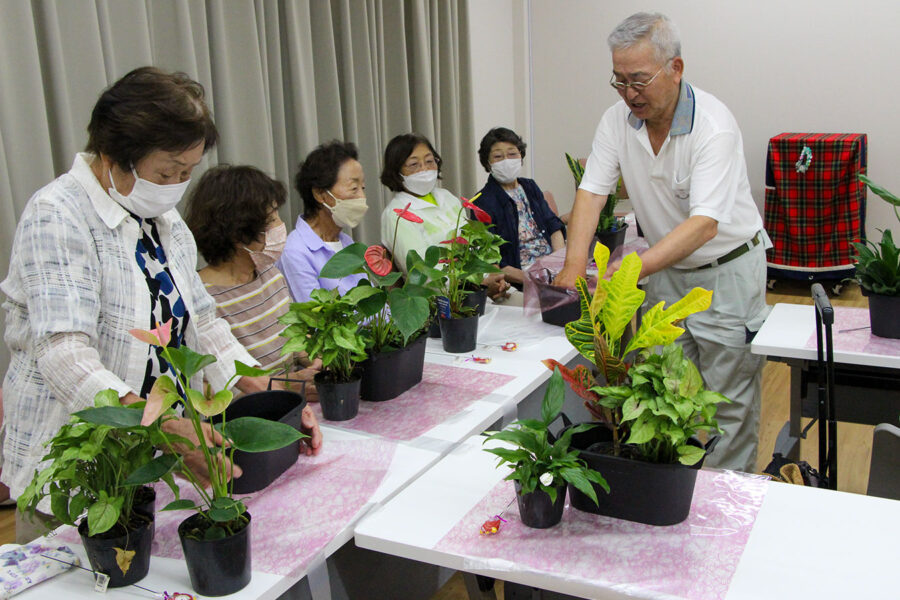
145	504
389	374
559	305
459	334
611	239
339	399
537	510
109	552
434	328
262	468
476	298
216	567
884	315
655	494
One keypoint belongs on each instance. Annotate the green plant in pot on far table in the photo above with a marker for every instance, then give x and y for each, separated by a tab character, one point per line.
649	402
610	228
99	462
541	465
878	273
394	316
327	326
216	539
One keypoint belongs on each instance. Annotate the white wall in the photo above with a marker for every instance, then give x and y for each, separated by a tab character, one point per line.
803	65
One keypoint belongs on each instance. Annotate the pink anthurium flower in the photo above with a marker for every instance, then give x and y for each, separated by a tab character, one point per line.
378	260
480	214
409	216
161	336
162	395
456	240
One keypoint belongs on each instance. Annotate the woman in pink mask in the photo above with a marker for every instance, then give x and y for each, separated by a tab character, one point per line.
233	214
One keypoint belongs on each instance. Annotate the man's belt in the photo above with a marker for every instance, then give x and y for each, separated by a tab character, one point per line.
739	251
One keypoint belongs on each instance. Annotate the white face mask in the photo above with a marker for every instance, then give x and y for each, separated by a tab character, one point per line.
271	252
507	170
147	199
420	183
348	212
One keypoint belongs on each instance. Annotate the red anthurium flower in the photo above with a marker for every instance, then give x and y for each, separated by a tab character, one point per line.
456	240
406	214
444	261
378	260
480	214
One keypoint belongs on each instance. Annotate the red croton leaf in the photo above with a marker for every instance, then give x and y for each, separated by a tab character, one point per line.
479	213
378	260
456	240
406	214
579	379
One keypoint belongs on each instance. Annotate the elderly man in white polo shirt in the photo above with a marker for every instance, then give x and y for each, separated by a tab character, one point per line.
680	153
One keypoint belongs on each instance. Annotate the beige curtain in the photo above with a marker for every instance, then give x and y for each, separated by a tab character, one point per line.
281	76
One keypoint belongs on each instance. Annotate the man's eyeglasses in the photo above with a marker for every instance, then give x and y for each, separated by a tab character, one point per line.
638	86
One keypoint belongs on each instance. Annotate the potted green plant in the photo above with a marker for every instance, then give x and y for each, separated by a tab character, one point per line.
878	273
327	326
610	228
542	465
95	475
216	539
462	264
484	245
650	403
394	315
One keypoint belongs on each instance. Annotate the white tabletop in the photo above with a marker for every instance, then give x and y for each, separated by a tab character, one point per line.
806	543
788	329
171	574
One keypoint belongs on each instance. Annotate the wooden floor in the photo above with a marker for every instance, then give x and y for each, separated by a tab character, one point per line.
854	451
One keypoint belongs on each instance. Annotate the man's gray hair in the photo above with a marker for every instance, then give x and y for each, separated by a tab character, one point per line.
653	27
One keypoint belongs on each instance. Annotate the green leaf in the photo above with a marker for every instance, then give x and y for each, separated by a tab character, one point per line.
114	416
182	504
153	470
577	478
641	432
108	397
242	370
408	312
103	514
252	434
188	362
554	398
690	455
657	325
347	261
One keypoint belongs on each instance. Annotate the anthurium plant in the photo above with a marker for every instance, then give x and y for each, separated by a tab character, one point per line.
96	463
540	462
878	265
327	326
223	515
605	336
400	307
608	221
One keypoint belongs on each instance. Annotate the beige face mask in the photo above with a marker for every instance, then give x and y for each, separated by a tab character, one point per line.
347	213
271	252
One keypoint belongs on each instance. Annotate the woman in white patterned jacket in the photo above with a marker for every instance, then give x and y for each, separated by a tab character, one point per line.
102	250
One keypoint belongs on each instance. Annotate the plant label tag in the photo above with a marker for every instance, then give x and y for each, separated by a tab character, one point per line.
443	306
101	580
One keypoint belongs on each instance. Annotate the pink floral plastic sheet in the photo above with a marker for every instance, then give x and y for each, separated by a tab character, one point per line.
851	332
695	559
443	392
299	513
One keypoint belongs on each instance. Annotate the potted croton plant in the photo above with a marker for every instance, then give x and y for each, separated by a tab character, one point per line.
395	314
542	465
327	326
650	403
610	228
216	539
463	265
878	273
98	463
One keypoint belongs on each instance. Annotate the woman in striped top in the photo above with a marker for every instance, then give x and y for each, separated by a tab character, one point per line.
233	214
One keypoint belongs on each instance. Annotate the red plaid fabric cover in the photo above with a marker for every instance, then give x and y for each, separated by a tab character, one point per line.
812	217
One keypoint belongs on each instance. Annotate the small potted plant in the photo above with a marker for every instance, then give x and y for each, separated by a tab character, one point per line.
649	404
327	326
462	264
541	465
610	228
484	246
878	273
216	539
395	315
95	476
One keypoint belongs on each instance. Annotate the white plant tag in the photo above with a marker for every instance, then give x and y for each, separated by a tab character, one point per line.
101	581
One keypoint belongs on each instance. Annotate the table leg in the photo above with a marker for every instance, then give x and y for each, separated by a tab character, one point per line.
479	587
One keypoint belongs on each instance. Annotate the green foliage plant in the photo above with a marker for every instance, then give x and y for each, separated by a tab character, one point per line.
608	220
96	462
327	326
604	335
878	265
538	462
